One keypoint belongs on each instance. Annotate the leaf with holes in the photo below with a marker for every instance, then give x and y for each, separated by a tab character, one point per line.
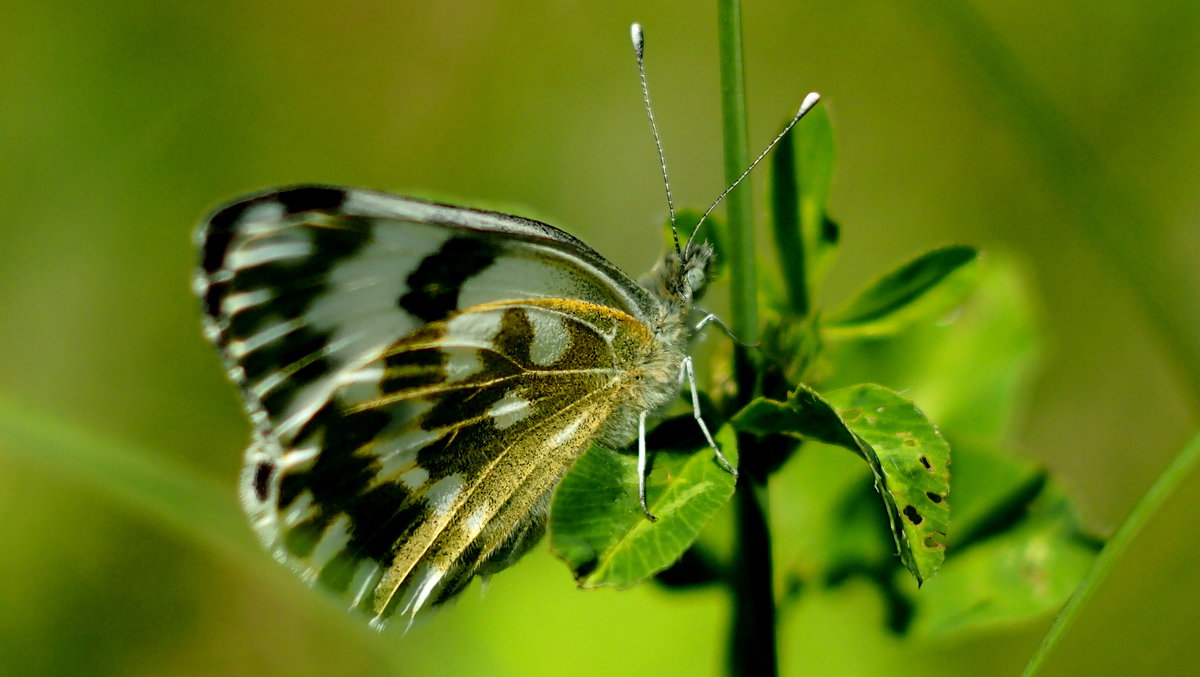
912	470
597	526
909	458
1028	569
805	415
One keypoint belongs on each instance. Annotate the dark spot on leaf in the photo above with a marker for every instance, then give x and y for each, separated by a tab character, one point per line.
925	462
912	515
936	498
910	442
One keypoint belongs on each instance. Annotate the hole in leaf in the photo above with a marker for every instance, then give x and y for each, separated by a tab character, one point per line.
912	515
936	498
925	462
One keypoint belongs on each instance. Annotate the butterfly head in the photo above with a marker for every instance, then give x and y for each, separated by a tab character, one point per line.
681	277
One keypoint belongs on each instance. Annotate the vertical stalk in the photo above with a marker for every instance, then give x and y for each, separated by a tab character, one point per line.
740	238
752	637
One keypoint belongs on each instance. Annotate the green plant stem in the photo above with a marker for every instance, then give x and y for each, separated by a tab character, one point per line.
752	648
1181	466
740	237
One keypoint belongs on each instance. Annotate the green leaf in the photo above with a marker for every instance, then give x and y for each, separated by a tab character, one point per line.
912	470
908	457
597	526
928	286
805	415
805	238
814	168
971	375
1027	570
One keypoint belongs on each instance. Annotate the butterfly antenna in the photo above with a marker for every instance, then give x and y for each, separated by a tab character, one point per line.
809	101
639	48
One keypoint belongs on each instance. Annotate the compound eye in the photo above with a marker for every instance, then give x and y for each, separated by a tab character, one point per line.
695	278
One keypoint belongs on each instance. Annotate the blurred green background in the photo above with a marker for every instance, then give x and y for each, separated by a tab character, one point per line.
1070	142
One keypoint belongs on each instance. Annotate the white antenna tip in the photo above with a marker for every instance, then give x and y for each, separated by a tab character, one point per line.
809	101
639	42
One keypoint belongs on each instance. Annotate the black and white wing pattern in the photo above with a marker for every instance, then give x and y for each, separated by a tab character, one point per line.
419	377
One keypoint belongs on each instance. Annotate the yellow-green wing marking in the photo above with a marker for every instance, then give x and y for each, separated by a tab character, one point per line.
437	464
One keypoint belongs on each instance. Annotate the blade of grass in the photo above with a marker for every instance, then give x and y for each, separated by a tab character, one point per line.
153	486
136	477
1181	466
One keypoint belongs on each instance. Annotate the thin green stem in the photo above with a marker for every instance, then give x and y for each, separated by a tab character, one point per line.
1181	466
752	648
740	240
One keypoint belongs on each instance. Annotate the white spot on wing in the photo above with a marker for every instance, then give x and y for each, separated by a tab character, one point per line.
267	252
261	217
442	494
236	303
398	453
302	407
476	520
562	436
461	363
415	478
357	386
550	337
424	580
243	347
300	510
365	578
299	458
478	328
334	540
510	409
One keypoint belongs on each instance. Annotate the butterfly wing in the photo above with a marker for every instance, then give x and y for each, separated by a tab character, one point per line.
436	461
304	283
418	377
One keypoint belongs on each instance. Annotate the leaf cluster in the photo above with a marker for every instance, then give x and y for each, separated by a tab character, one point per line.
947	328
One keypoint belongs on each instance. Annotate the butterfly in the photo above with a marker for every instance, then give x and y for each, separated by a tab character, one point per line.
420	376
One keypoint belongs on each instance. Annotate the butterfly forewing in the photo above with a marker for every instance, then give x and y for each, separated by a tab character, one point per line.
419	377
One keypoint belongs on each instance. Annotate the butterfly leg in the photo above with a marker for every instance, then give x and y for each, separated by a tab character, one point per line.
685	370
642	466
711	318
